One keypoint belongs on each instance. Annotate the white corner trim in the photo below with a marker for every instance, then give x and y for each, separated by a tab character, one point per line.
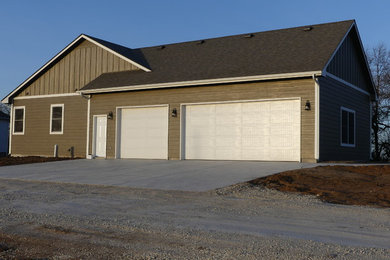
51	117
317	119
10	130
341	127
47	96
117	54
88	126
24	120
327	74
82	36
204	82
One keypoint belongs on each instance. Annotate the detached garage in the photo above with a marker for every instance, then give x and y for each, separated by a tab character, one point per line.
252	130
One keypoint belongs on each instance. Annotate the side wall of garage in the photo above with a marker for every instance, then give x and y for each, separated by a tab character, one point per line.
174	97
333	96
37	139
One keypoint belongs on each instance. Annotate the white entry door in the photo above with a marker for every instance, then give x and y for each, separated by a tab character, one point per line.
100	135
264	130
144	132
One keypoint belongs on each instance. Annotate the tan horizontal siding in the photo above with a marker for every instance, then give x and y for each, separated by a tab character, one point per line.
76	69
38	141
303	88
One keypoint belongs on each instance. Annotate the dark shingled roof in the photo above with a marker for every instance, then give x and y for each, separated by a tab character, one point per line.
300	49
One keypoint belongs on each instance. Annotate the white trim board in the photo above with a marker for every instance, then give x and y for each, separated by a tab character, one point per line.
338	46
48	96
341	127
117	54
204	82
347	83
62	121
11	127
82	36
88	126
362	48
24	120
317	119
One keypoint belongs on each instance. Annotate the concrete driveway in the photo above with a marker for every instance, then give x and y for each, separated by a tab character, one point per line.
152	174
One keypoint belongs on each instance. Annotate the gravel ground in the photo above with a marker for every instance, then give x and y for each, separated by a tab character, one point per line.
68	221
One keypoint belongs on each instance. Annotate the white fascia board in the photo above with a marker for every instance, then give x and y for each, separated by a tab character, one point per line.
47	96
338	47
117	54
366	60
6	99
82	36
330	75
362	48
205	82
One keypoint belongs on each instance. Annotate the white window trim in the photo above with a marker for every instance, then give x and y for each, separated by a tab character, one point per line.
341	127
62	123
24	120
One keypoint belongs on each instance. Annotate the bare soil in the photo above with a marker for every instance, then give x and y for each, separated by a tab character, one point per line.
351	185
6	161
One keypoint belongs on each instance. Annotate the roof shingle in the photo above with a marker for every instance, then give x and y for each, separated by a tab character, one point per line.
264	53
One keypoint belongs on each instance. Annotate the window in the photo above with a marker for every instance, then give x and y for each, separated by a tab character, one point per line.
348	126
18	125
56	119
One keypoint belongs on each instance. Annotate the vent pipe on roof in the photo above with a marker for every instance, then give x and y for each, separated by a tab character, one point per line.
249	35
307	29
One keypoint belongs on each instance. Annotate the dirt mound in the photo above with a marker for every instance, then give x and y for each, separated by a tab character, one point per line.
4	161
352	185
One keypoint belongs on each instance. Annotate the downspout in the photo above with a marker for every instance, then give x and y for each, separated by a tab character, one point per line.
316	118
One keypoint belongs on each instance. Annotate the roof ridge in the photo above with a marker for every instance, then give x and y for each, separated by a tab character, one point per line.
243	34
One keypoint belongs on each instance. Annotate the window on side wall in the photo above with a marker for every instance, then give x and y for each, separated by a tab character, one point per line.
19	121
57	119
348	127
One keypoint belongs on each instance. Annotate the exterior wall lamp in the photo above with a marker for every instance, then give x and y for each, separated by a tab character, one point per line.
174	112
110	115
307	105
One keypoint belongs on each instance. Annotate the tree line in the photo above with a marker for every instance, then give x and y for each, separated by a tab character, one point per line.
378	58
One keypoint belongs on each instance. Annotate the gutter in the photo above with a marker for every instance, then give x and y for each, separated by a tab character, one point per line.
203	82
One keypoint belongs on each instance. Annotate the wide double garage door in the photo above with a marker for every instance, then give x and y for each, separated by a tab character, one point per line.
253	130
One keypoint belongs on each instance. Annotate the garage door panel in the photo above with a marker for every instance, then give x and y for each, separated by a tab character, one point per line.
144	133
268	130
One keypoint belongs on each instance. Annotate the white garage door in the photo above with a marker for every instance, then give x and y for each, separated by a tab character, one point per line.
267	130
144	133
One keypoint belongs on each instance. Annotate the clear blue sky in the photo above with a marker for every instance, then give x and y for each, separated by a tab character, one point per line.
32	32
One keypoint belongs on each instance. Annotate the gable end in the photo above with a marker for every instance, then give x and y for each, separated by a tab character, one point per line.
349	63
79	63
